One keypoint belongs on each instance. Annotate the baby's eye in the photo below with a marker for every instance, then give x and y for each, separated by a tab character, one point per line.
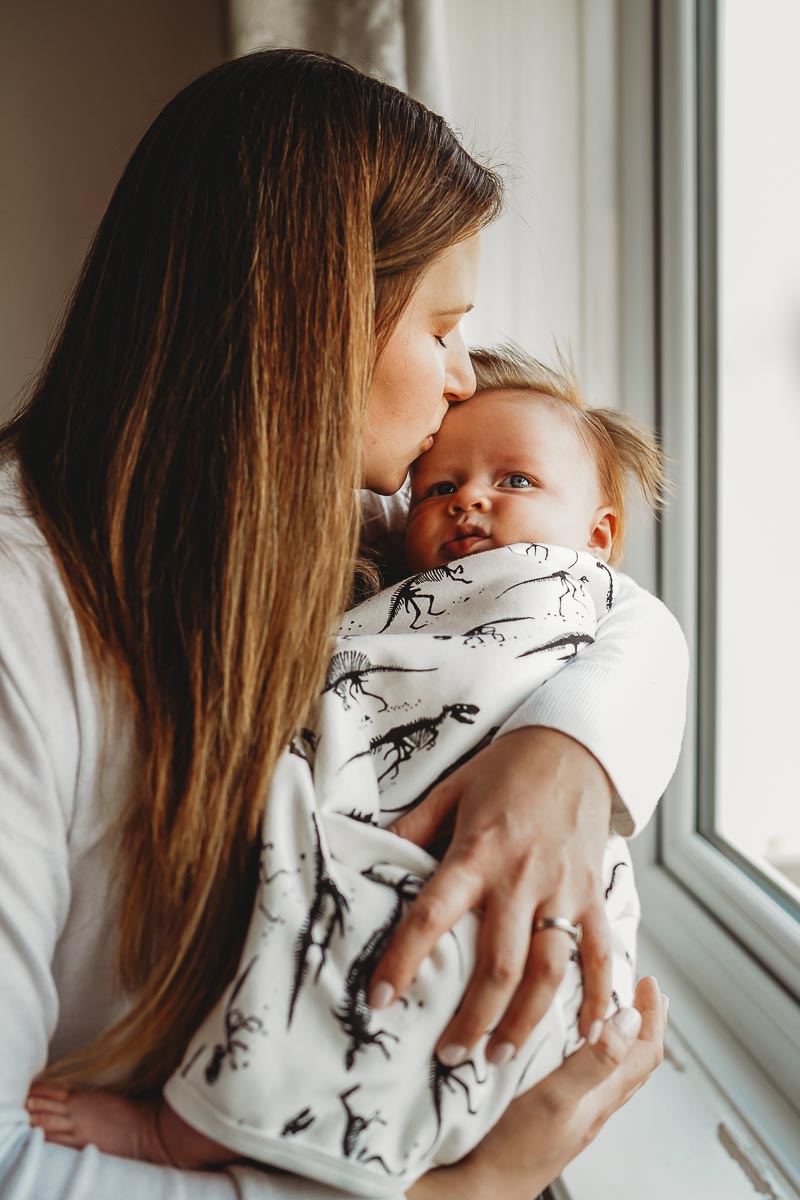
515	481
444	488
441	341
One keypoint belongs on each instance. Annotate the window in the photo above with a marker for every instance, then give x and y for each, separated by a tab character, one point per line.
595	106
755	817
721	891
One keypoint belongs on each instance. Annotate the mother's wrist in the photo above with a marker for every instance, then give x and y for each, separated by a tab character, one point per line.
568	762
454	1182
473	1178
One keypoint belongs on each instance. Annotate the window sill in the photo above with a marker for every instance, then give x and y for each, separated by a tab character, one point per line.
709	1125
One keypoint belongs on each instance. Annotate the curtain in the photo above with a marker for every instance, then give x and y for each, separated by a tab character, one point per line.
400	41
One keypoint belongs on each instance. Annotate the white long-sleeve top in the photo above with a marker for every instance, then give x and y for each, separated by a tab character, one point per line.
68	764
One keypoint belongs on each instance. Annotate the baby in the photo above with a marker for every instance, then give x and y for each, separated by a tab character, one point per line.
571	467
292	1067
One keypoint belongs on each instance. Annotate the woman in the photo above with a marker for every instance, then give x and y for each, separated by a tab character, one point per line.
179	532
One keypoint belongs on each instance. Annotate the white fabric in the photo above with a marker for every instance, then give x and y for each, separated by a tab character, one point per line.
624	699
294	1069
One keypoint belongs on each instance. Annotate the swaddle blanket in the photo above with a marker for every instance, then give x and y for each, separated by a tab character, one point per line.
292	1067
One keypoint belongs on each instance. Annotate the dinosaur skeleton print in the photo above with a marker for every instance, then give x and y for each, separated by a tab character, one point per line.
292	1067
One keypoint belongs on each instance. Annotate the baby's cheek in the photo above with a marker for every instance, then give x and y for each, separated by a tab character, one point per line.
420	544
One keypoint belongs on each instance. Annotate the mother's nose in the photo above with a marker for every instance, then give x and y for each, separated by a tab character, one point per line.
460	380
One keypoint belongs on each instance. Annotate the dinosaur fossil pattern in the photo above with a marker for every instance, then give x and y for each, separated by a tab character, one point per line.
236	1026
354	1015
617	867
610	592
450	1079
449	769
412	590
489	629
568	583
326	914
572	1036
355	1126
537	549
348	671
560	643
265	878
404	740
301	1121
366	818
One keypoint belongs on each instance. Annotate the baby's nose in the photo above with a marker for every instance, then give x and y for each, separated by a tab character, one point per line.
469	500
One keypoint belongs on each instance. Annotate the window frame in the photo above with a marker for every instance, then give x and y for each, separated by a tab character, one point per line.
743	948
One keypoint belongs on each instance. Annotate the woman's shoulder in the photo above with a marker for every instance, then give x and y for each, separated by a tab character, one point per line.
25	557
56	707
37	622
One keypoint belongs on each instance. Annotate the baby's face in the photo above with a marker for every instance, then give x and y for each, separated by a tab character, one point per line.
505	467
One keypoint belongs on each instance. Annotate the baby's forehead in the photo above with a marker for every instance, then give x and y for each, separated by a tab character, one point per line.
519	400
508	424
516	417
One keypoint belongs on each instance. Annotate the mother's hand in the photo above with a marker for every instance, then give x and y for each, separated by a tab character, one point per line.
529	817
546	1127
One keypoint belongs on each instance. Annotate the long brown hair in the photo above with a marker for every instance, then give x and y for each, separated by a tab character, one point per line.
191	450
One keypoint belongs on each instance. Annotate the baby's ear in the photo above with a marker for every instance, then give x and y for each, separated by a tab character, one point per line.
604	530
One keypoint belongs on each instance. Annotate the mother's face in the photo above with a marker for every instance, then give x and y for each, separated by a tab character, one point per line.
424	367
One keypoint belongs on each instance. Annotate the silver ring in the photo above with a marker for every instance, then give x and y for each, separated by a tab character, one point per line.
574	931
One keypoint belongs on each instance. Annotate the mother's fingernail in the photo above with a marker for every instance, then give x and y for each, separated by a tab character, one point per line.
628	1021
501	1054
451	1055
595	1029
381	995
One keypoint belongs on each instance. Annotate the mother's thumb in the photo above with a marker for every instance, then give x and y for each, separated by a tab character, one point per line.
617	1037
591	1065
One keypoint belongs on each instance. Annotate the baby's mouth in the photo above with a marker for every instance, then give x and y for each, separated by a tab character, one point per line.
467	538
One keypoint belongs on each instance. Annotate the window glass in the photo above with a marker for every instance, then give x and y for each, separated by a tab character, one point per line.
757	807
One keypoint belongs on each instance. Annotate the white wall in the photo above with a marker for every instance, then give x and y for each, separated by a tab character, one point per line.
533	86
546	89
79	83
